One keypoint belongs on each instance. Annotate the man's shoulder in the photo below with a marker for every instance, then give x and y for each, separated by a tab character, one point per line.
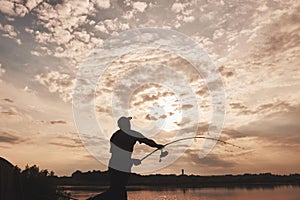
136	133
115	133
129	133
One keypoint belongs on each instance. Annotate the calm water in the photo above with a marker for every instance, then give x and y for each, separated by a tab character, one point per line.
279	193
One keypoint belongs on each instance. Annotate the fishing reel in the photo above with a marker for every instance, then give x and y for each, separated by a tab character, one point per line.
162	154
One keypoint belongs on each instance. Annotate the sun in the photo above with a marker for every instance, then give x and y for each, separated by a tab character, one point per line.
154	103
170	111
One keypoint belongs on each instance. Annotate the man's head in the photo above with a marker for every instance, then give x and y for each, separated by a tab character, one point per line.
124	123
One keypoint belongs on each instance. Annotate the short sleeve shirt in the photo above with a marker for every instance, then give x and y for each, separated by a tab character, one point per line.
127	141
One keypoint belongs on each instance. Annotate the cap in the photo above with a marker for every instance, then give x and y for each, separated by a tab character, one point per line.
123	121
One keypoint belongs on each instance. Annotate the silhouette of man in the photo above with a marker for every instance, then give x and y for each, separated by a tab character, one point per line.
121	147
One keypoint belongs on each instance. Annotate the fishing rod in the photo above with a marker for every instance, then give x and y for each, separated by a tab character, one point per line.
165	153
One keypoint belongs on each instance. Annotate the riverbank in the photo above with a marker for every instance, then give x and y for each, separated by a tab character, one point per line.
100	179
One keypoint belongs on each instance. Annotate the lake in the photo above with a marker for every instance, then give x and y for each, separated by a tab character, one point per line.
277	193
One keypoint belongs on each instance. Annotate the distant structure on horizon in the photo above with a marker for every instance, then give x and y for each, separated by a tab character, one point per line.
182	172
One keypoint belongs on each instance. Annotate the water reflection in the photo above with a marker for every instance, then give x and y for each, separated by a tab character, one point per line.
275	193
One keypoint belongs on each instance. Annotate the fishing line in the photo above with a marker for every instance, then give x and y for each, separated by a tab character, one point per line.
165	153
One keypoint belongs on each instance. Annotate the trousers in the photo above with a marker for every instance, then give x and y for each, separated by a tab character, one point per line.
117	189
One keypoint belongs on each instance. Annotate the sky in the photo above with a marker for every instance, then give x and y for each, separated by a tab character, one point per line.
254	46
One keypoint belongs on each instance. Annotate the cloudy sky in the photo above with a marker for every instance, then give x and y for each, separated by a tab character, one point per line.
254	45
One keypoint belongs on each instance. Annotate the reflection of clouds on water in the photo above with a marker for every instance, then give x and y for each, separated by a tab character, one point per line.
277	193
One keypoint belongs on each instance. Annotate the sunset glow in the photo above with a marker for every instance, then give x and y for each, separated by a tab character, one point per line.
254	48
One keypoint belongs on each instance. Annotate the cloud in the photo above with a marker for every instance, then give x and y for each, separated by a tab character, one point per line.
51	122
102	109
137	8
265	74
10	32
62	33
58	122
31	4
178	7
65	145
216	161
10	111
140	6
150	117
254	46
7	100
224	72
68	140
35	53
211	160
280	128
265	108
282	40
6	137
146	98
183	13
12	116
150	96
229	133
2	71
57	82
102	4
183	122
111	26
150	93
13	8
27	89
163	116
187	106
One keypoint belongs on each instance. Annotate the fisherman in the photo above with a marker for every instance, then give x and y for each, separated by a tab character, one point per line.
121	147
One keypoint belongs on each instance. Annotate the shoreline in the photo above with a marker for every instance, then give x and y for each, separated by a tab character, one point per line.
172	188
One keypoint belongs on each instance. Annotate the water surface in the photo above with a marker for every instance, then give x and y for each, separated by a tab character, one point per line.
278	193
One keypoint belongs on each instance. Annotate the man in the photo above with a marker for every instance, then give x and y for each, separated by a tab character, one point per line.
121	147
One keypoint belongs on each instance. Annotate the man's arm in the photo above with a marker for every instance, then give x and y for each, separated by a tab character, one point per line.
149	142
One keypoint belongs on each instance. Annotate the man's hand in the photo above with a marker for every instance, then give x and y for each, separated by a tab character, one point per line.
136	161
160	146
